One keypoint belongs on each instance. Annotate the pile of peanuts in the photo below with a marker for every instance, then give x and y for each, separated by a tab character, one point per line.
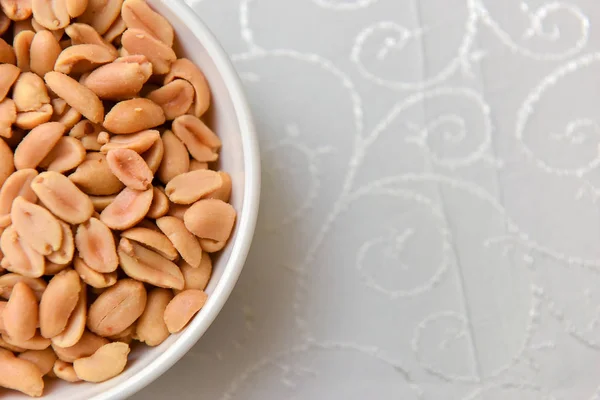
108	208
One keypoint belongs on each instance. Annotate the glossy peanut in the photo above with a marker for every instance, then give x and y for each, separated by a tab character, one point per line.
96	246
201	142
58	302
137	14
76	95
45	49
175	161
113	34
184	241
130	168
16	10
161	55
85	347
131	116
32	119
94	177
21	375
122	79
35	343
128	208
185	69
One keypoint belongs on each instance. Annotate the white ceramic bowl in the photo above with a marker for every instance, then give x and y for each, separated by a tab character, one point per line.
230	118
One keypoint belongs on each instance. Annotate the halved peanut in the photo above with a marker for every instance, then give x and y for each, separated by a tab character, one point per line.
148	266
186	244
16	10
76	95
62	197
85	34
29	92
45	49
43	359
7	54
160	204
177	210
138	142
94	176
21	375
154	155
58	302
151	328
6	162
185	69
161	55
175	161
126	336
116	30
67	154
175	98
130	168
106	363
6	346
122	79
82	58
36	226
182	308
19	257
101	14
17	184
76	324
8	282
35	343
131	116
211	219
59	106
197	278
8	116
22	47
85	347
57	33
96	246
70	118
51	14
83	128
138	14
65	371
76	7
20	316
117	308
93	278
200	141
196	165
32	119
8	76
101	202
190	187
53	268
128	208
224	192
152	239
212	246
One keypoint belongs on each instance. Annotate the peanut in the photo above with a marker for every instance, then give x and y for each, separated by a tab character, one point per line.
185	69
147	266
67	154
196	165
76	95
4	23
43	359
138	15
6	162
36	226
182	309
85	347
7	54
190	187
76	7
85	34
184	241
128	208
8	282
16	10
139	142
93	278
45	50
115	31
175	161
19	257
224	192
22	47
151	328
210	219
161	55
51	14
35	343
96	246
131	116
101	14
20	316
58	302
8	76
106	363
101	202
65	371
62	197
197	278
8	116
21	375
122	79
154	155
130	168
175	98
117	308
32	119
29	92
83	58
75	325
212	246
160	204
94	177
200	141
153	240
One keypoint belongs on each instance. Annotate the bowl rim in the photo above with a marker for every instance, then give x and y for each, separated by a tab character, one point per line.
246	223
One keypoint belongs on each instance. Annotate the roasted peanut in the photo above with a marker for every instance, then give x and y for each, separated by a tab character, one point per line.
6	162
224	192
106	363
130	168
139	142
177	210
58	302
76	324
51	15
32	119
96	246
197	278
117	308
22	47
138	15
175	98
29	92
85	347
212	246
128	208
153	240
8	116
65	371
76	7
36	226
16	10
200	141
20	316
21	375
45	49
43	359
62	197
94	177
210	219
184	241
154	155
185	69
175	160
17	184
8	76
6	346
161	55
101	202
37	144
115	31
122	79
67	154
151	328
76	95
7	54
8	282
93	278
160	204
131	116
83	58
19	257
35	343
190	187
182	309
85	34
101	14
196	165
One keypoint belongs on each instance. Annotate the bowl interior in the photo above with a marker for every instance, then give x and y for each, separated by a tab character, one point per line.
229	119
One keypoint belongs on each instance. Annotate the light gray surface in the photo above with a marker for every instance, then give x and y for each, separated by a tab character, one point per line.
430	224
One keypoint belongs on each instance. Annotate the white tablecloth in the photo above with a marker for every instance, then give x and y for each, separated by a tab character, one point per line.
430	222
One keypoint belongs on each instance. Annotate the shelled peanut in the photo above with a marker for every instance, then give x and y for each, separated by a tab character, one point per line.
108	207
